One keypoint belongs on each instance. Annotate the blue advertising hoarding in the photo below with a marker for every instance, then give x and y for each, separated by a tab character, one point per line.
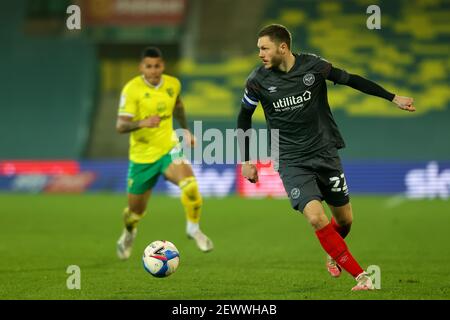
412	179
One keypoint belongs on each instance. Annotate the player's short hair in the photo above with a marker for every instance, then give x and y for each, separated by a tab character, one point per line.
151	52
277	33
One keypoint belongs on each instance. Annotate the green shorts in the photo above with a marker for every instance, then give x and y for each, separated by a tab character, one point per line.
143	176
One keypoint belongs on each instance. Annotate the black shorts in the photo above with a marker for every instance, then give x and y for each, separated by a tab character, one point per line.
320	178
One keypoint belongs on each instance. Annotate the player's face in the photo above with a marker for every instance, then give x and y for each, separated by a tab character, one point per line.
152	69
269	52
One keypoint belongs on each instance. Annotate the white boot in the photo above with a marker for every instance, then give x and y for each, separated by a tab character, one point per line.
125	243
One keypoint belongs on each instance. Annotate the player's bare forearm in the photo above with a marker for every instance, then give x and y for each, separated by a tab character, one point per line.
180	115
124	126
244	123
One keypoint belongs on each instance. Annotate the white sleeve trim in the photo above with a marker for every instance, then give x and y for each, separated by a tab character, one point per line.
126	114
250	101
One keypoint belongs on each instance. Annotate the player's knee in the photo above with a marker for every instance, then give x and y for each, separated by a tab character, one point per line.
315	215
347	224
189	189
344	220
318	222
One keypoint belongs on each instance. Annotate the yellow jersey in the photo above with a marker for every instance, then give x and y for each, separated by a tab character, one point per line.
139	100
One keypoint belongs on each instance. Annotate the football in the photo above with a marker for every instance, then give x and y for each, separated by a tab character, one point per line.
161	258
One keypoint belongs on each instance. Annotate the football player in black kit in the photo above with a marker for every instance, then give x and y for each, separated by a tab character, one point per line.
293	93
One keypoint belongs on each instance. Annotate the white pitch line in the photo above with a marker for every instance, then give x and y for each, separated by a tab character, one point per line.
395	201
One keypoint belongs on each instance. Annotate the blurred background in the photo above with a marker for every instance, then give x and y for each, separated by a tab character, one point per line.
60	88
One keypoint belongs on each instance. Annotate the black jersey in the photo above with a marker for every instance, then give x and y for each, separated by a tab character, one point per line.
296	104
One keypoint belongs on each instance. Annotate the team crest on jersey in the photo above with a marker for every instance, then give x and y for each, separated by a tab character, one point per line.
170	92
308	79
295	193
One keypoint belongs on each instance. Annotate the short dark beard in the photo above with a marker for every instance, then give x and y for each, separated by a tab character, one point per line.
276	61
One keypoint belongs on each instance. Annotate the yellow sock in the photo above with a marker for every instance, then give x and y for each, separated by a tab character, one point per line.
131	219
191	199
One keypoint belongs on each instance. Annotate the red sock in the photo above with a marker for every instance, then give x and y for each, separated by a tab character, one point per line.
342	230
335	246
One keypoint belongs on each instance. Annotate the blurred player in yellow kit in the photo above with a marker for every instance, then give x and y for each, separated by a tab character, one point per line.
148	104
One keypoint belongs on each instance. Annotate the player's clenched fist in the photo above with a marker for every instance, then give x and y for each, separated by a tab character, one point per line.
250	172
404	103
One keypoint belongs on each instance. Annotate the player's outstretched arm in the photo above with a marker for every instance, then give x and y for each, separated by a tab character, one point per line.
369	87
180	115
244	123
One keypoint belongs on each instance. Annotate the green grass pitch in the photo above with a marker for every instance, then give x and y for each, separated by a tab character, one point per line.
263	249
